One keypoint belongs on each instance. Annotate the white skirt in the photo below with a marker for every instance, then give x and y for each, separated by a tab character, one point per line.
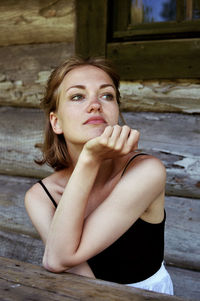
160	282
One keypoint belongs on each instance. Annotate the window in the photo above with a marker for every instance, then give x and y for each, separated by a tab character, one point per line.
146	39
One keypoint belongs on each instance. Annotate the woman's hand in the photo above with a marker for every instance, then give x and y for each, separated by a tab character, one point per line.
115	141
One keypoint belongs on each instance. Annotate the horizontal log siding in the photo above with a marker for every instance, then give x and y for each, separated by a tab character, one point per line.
34	21
25	70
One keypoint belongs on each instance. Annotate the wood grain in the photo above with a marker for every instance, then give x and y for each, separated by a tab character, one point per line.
178	96
36	21
22	276
26	68
91	40
24	71
156	59
186	283
175	139
182	244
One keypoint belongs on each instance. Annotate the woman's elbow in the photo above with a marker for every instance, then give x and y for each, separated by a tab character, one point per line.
53	266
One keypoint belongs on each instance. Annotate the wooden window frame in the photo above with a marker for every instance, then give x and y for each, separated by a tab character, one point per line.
176	56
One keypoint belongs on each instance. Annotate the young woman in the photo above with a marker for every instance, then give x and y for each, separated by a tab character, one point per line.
101	213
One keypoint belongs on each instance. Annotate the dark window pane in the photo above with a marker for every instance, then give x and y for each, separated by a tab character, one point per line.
151	11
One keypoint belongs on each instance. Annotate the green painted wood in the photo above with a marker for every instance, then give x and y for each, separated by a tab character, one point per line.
159	59
91	26
169	59
119	12
180	10
162	30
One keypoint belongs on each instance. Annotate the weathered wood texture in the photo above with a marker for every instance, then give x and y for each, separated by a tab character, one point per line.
161	96
172	137
89	12
24	71
34	21
182	247
182	243
26	68
20	134
159	59
175	139
21	246
23	281
186	283
171	57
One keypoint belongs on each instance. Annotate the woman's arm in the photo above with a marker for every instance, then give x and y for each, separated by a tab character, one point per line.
72	241
41	213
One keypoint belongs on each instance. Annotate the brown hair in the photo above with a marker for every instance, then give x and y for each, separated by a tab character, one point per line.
54	149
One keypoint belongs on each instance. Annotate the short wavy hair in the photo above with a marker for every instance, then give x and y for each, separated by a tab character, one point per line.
54	148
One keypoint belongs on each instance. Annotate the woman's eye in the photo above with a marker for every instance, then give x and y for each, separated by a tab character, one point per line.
107	96
77	97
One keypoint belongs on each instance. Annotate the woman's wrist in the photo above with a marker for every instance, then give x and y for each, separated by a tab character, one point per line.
87	158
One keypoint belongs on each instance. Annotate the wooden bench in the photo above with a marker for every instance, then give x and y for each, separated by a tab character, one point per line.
24	281
172	137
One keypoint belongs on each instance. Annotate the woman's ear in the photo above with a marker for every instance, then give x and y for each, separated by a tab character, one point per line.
55	123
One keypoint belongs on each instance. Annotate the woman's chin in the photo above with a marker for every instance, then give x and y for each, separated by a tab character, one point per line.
96	132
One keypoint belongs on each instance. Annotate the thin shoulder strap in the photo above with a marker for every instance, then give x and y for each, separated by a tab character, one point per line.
47	192
131	159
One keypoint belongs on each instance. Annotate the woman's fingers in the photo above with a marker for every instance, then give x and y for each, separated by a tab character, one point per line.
115	141
121	139
115	136
132	141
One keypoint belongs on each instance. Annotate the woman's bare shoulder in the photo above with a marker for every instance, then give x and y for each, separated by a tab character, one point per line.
137	160
37	194
147	169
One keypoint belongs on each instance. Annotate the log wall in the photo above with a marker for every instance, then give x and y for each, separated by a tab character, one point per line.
35	36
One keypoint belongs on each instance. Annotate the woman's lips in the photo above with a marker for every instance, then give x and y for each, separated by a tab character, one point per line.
95	120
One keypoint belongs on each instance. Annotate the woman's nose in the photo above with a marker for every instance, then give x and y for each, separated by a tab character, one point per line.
94	105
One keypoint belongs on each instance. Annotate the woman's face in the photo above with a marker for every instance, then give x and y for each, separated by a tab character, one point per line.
87	105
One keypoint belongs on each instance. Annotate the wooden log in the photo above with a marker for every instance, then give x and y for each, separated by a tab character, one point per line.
25	70
141	60
23	279
178	96
186	283
20	135
21	88
173	138
20	246
13	216
18	237
182	244
36	21
15	291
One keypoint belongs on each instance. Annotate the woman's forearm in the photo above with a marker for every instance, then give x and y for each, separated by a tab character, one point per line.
82	269
66	229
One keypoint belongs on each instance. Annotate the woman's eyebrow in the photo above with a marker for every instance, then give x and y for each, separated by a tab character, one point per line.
84	87
76	86
107	85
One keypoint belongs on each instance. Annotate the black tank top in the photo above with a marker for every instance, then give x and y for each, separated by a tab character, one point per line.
135	256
